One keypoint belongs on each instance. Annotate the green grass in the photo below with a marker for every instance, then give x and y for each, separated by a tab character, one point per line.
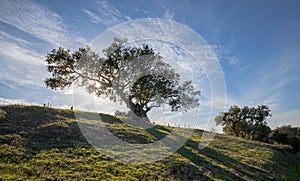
38	143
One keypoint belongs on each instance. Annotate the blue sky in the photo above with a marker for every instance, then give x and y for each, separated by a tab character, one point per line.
257	44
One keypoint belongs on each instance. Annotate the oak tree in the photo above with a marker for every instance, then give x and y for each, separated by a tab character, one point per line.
136	76
246	122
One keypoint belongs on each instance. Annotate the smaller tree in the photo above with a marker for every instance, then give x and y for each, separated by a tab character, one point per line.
233	120
287	135
246	122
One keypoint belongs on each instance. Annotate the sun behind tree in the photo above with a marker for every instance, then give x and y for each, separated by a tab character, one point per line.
136	76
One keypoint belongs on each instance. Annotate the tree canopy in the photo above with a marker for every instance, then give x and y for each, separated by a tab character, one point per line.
246	122
136	76
287	135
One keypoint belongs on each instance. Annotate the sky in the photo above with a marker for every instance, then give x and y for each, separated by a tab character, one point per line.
256	44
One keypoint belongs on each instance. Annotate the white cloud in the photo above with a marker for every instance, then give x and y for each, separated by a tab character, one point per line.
169	15
4	35
172	33
21	77
106	14
290	117
37	21
4	101
97	19
18	52
19	63
224	54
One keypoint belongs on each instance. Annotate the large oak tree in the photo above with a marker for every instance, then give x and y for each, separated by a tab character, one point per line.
136	76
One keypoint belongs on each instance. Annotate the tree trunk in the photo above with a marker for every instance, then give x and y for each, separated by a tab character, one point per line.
234	129
138	112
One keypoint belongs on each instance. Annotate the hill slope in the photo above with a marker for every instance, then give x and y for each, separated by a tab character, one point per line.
44	143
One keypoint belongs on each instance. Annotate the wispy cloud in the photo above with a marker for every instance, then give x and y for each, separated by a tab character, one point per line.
12	38
171	33
19	52
105	13
22	74
37	21
224	54
168	14
19	62
290	117
4	101
97	19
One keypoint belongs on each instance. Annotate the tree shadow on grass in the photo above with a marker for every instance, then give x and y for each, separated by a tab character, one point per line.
238	170
53	136
36	128
287	164
46	128
159	132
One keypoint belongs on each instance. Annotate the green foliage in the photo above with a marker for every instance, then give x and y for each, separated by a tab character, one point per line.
136	76
38	143
287	135
246	122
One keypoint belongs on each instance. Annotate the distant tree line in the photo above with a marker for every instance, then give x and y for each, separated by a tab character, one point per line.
250	123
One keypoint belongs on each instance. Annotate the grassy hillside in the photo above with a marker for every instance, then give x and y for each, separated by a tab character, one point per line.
44	143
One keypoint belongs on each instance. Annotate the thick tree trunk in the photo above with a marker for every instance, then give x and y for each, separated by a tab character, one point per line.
138	111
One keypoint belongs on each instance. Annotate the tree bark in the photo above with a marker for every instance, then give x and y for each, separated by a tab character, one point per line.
138	111
234	128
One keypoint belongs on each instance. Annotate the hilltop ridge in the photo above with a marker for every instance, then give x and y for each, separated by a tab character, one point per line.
46	143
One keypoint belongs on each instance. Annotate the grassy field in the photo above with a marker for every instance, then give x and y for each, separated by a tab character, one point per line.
38	143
